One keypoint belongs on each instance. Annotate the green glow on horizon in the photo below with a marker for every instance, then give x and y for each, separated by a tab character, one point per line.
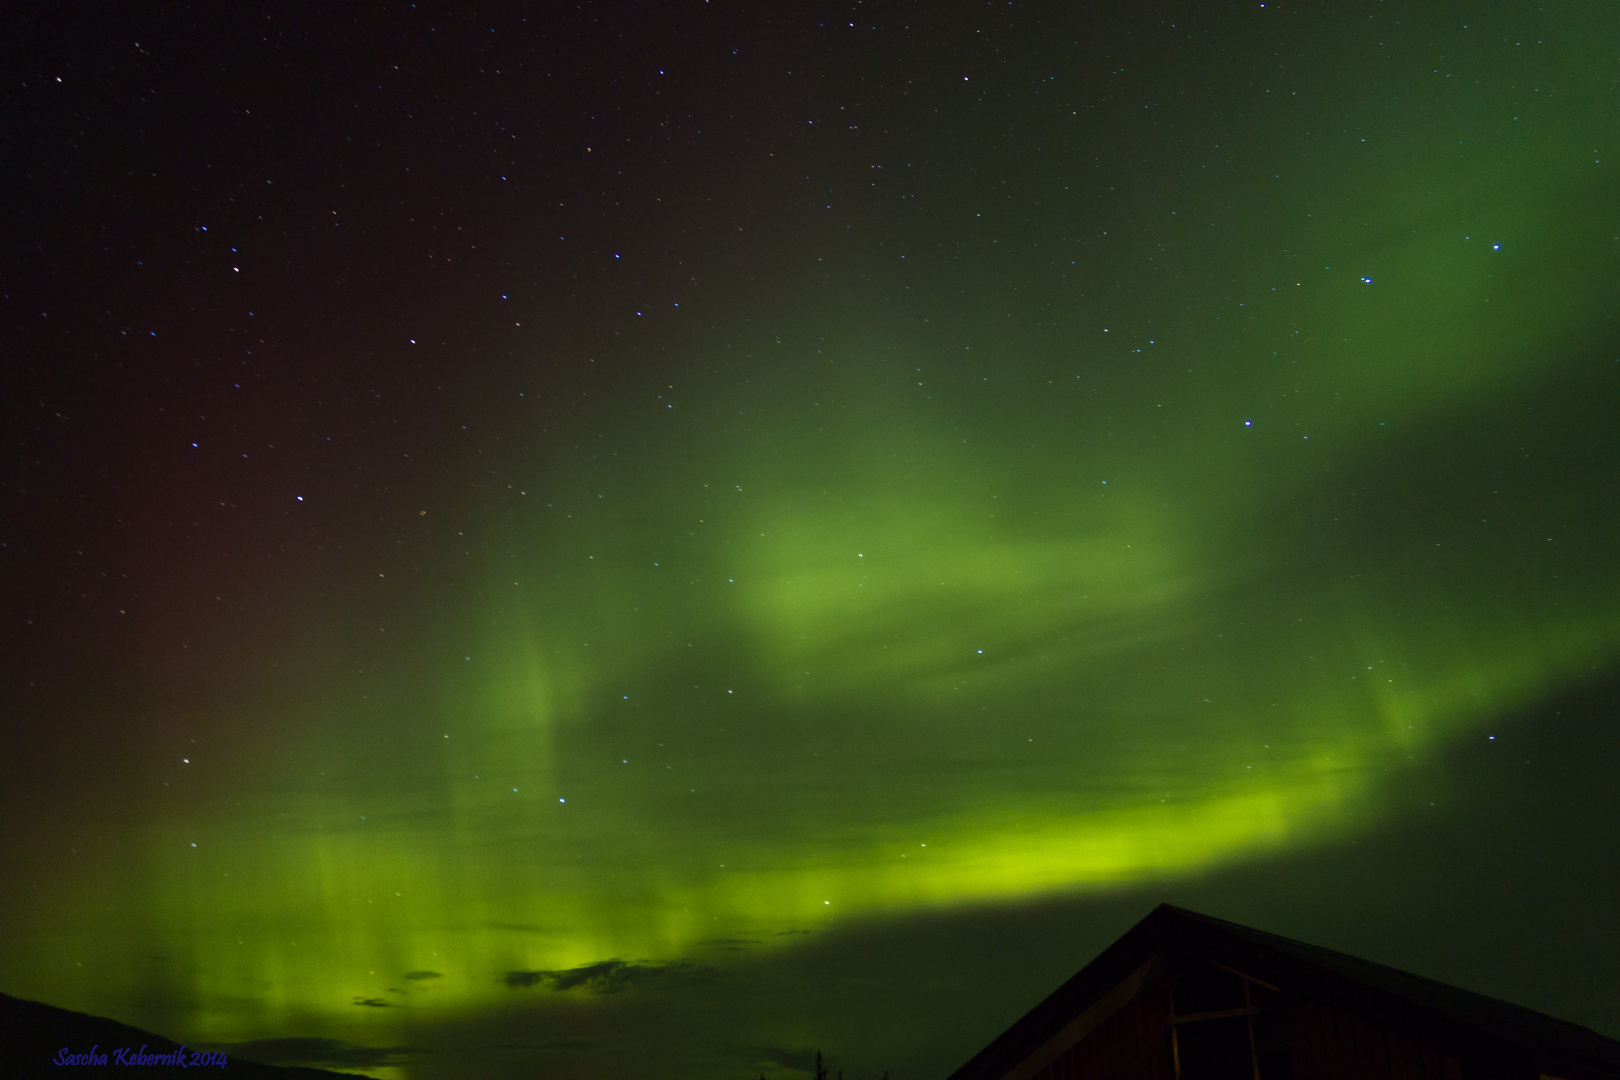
1176	751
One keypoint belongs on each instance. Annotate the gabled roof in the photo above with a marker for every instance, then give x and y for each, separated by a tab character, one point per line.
1470	1027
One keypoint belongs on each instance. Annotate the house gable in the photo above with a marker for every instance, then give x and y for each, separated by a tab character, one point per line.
1182	996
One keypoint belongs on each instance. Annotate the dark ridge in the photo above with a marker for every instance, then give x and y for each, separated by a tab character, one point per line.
32	1034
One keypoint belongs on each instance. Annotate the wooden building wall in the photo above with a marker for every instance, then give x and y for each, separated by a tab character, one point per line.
1332	1045
1323	1044
1130	1045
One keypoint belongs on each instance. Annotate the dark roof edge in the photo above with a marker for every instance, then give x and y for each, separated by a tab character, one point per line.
1470	1025
1477	1025
1030	1031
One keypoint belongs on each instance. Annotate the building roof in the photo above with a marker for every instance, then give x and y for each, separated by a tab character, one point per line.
1506	1039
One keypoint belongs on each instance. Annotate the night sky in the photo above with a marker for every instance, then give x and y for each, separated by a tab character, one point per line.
648	540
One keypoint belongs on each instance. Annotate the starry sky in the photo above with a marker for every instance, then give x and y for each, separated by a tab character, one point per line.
650	540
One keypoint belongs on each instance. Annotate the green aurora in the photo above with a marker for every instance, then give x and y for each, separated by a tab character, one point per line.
1162	529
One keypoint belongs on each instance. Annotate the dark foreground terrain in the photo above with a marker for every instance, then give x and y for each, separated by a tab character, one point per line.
33	1035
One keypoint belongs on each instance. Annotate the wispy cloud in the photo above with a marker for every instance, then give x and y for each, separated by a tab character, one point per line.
604	977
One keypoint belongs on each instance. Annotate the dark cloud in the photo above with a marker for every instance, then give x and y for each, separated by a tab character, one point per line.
418	975
518	979
733	942
375	1003
604	977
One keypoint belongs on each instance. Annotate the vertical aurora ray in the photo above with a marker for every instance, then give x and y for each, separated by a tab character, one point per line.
877	688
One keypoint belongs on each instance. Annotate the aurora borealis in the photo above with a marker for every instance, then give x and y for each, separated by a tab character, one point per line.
629	541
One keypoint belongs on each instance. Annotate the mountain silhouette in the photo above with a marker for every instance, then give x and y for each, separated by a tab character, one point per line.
33	1034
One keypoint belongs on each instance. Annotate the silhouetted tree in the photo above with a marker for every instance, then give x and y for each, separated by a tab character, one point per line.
821	1070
